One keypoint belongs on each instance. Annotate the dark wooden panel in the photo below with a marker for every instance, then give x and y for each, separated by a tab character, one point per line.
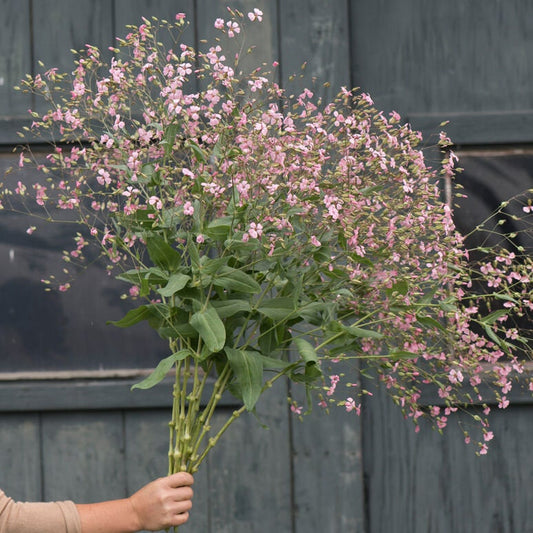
316	33
83	456
20	460
249	474
132	11
64	25
419	483
15	60
328	472
263	36
417	56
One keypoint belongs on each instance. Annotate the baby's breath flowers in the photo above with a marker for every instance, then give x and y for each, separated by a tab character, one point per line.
265	236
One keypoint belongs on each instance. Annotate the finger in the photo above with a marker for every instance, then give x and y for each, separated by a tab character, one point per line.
182	494
180	479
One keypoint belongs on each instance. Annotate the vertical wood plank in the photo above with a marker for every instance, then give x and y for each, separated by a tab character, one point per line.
20	460
83	456
315	33
249	472
328	472
64	25
15	59
416	56
427	482
262	37
132	11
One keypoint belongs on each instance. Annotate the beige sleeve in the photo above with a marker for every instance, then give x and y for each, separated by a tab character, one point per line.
53	517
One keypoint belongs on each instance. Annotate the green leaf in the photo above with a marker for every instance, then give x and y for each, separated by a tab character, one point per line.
210	328
430	322
161	253
306	351
161	370
277	308
175	283
354	331
154	313
199	154
169	137
219	229
272	363
505	297
492	317
233	279
227	308
248	369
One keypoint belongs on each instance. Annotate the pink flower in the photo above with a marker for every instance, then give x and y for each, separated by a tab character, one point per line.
200	239
156	202
257	14
504	403
315	241
219	24
233	28
188	208
296	409
134	291
489	435
350	405
255	231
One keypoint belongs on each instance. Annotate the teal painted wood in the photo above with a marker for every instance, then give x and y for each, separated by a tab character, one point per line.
15	56
427	482
132	11
328	472
20	456
249	475
60	27
263	38
83	456
315	34
448	58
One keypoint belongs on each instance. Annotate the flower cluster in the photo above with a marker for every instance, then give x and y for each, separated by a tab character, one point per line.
268	236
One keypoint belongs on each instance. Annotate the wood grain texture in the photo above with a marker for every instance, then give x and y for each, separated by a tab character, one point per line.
328	472
15	56
427	482
249	486
20	456
317	34
83	456
419	56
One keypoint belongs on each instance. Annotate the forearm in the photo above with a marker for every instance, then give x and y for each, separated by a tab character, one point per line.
115	516
23	517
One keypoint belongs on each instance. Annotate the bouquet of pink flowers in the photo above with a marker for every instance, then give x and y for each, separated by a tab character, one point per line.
267	236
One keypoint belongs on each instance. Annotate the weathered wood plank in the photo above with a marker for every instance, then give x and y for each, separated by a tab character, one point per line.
425	482
83	456
15	58
132	11
20	459
315	33
328	472
63	25
249	473
261	38
454	56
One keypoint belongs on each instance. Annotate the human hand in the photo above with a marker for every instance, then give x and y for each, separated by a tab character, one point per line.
163	503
